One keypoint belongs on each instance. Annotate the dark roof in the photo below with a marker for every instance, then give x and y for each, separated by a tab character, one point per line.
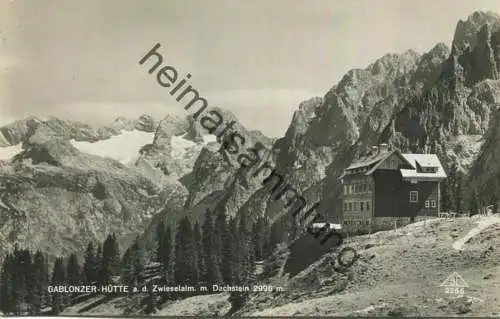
370	159
374	160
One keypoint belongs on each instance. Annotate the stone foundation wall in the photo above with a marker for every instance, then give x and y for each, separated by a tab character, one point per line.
361	226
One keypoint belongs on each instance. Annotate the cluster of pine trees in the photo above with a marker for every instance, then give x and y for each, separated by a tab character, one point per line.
452	191
25	277
23	283
217	252
456	196
220	251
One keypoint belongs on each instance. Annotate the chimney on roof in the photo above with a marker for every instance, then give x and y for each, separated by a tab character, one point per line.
374	150
383	147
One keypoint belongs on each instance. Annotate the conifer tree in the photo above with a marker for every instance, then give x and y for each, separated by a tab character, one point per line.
73	273
473	203
246	248
40	283
58	278
139	260
258	238
186	264
150	299
19	282
46	277
193	261
276	235
110	259
201	265
160	232
268	248
222	246
7	285
243	271
127	268
29	273
3	284
445	197
114	260
220	233
210	252
106	263
168	262
232	256
451	184
493	200
164	245
458	193
98	265
169	258
89	265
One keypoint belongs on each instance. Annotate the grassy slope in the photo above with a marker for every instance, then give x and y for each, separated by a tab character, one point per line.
398	273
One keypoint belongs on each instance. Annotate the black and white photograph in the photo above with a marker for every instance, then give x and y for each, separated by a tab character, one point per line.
249	158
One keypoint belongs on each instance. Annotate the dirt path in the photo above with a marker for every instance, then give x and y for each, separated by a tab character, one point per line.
483	223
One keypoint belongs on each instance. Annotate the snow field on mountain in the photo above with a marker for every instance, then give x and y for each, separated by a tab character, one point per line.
6	153
184	149
124	147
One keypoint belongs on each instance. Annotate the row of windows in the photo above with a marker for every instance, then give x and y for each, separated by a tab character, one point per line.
414	199
430	203
353	206
365	206
357	188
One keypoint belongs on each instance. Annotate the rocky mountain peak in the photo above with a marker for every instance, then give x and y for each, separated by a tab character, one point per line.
15	132
390	63
475	52
52	152
439	49
144	123
303	116
466	31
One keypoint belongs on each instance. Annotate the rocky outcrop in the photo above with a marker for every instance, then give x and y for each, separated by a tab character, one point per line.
56	199
39	131
466	32
18	131
144	123
159	155
461	100
217	179
484	176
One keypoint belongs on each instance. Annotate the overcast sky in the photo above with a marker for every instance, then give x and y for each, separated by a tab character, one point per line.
79	58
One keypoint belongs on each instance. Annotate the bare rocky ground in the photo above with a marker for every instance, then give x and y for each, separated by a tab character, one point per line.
398	274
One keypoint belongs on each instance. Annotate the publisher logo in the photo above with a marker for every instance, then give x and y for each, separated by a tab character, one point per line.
454	285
